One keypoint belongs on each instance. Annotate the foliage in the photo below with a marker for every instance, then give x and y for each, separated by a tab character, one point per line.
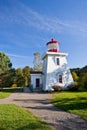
14	86
11	90
16	118
19	79
5	63
23	76
81	78
26	75
73	87
57	88
74	102
10	76
7	78
75	76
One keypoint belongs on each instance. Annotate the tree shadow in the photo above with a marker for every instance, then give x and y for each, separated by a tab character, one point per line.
73	123
34	126
44	104
71	104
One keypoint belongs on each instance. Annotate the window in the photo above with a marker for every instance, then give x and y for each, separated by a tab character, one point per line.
58	62
60	78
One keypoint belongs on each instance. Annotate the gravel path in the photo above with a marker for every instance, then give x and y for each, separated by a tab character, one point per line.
39	105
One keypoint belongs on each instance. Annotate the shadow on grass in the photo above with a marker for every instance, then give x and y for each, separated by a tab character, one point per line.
71	104
34	126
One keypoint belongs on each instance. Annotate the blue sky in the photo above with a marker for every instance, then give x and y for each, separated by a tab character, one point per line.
27	25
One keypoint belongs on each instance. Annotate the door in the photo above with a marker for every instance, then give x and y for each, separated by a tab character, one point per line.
37	82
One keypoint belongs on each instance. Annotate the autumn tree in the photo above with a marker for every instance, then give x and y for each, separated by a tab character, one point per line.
26	74
19	79
75	78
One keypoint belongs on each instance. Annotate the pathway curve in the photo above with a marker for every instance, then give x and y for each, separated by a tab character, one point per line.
39	104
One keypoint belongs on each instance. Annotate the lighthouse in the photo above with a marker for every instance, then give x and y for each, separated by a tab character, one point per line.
55	68
53	46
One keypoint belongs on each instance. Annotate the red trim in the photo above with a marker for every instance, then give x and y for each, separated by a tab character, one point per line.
53	41
53	50
36	72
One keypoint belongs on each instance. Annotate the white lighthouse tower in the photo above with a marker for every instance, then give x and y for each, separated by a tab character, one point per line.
55	68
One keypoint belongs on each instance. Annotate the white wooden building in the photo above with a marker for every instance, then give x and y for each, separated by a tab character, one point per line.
55	70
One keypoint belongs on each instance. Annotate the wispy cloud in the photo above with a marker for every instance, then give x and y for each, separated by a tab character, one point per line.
17	56
21	14
43	22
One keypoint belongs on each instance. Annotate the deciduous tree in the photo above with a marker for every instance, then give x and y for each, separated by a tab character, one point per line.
5	63
26	74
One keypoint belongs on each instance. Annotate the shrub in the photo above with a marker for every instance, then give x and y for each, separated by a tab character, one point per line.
73	87
57	88
14	86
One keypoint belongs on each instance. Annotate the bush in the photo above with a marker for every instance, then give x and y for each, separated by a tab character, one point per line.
73	87
14	86
57	88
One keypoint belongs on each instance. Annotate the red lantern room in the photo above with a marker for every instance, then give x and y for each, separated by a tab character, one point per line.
53	46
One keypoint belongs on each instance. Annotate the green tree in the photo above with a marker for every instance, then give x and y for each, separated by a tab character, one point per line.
5	63
83	80
19	79
7	78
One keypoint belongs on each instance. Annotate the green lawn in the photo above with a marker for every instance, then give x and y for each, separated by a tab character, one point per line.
4	94
74	102
13	117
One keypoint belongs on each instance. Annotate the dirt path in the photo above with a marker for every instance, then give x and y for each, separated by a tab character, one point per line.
39	105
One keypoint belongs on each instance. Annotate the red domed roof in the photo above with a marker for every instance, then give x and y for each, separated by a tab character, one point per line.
52	41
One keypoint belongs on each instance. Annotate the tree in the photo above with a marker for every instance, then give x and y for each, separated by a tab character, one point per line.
19	79
83	80
26	74
7	78
5	63
75	78
80	76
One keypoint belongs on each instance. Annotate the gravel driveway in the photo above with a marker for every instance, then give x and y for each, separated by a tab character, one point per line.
39	104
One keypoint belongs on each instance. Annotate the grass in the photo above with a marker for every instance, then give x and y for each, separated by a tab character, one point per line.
13	117
73	102
6	92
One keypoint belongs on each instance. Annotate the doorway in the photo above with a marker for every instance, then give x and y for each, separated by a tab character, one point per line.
37	82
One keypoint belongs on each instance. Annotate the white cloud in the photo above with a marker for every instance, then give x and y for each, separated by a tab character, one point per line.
24	16
17	56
